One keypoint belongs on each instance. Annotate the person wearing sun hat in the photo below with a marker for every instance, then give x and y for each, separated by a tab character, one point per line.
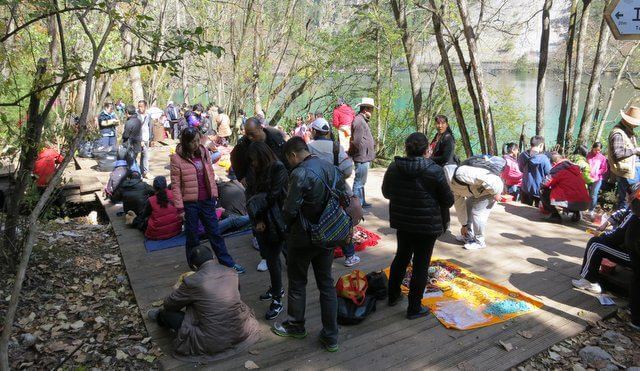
362	147
623	152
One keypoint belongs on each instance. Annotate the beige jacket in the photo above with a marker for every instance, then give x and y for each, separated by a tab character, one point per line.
217	324
224	125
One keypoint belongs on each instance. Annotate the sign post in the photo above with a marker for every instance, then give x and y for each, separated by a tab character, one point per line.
623	17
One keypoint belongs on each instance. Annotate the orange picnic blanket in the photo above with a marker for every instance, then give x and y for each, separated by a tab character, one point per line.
463	300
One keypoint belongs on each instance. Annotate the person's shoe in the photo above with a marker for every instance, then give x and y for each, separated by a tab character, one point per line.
553	218
461	238
424	311
238	268
274	309
394	302
474	245
328	345
254	243
269	296
351	261
584	284
576	217
262	266
288	329
152	314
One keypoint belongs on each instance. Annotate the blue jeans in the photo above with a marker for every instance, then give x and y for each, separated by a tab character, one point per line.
360	179
232	222
205	212
349	250
623	185
594	189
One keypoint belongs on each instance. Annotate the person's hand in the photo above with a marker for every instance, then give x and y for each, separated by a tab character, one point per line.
181	215
497	197
260	227
603	226
464	231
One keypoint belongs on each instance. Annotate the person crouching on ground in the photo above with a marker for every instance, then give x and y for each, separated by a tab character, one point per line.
215	323
566	188
266	196
194	194
133	192
535	166
161	220
307	197
619	245
476	190
419	201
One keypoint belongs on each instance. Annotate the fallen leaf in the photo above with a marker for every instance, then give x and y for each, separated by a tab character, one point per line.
146	340
250	365
525	334
121	355
157	303
99	319
507	346
254	352
77	325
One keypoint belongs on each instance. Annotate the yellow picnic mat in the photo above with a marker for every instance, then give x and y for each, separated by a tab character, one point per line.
463	300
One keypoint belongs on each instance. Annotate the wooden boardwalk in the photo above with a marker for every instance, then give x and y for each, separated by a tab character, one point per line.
523	253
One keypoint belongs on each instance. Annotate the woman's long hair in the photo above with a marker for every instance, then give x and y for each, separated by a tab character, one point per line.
160	186
261	158
189	142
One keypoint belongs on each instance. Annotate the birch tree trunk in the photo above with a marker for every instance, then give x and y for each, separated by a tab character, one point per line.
378	80
542	67
577	75
566	87
594	82
479	78
451	83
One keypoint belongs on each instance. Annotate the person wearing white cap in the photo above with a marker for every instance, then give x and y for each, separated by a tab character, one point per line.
325	148
623	152
361	147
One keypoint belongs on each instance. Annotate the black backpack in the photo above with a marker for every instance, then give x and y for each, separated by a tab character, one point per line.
351	314
483	163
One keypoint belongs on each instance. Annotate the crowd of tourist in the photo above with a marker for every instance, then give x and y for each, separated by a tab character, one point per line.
286	188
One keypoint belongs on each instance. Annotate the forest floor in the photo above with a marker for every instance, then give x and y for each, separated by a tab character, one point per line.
77	308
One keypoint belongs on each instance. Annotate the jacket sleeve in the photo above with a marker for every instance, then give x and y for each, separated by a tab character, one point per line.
179	298
336	119
294	200
448	145
546	166
176	188
278	186
117	194
386	186
445	196
355	141
146	213
490	182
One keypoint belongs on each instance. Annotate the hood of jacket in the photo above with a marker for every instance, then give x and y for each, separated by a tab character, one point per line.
535	158
412	167
565	165
130	183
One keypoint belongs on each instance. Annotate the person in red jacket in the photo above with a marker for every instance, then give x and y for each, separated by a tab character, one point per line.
343	116
161	218
48	159
565	188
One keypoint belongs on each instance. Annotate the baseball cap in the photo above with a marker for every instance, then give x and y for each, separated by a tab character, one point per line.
320	124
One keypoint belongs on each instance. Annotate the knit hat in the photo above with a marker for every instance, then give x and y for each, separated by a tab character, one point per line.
320	124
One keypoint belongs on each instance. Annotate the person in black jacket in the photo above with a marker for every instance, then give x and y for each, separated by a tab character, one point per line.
307	196
254	132
265	197
443	145
419	201
132	134
133	192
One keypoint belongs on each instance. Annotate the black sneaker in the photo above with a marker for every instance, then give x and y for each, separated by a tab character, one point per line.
423	312
267	296
393	302
274	309
289	329
329	346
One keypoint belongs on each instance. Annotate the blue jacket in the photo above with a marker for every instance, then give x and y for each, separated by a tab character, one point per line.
534	170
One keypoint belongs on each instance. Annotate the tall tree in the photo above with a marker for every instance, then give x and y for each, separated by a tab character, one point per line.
400	14
478	76
577	74
542	67
451	82
594	82
566	87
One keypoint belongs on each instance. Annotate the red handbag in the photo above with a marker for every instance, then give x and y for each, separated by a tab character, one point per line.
353	286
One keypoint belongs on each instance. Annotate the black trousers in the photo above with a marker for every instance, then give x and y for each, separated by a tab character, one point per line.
170	319
270	251
299	258
634	287
599	248
420	247
528	199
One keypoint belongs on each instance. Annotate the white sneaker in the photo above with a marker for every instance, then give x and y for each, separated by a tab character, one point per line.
254	243
262	266
461	238
351	261
475	244
583	284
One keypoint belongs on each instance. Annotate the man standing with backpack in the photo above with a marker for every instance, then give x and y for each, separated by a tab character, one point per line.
476	185
312	184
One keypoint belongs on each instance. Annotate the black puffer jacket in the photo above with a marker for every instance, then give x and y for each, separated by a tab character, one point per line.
134	194
308	195
265	200
419	195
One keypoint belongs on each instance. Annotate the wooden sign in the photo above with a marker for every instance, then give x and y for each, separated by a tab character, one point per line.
623	17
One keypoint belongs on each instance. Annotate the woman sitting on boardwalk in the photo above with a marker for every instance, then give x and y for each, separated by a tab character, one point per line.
161	219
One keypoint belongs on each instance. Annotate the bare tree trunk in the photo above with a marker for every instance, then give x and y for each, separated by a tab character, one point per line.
135	79
256	59
594	82
566	87
542	67
378	80
577	74
451	83
479	78
466	70
612	92
399	13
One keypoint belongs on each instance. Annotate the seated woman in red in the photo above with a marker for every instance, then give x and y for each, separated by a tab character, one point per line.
162	219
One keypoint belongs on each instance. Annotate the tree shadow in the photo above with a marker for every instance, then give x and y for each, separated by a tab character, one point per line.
533	214
553	246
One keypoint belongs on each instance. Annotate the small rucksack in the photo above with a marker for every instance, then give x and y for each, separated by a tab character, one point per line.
482	162
352	314
353	286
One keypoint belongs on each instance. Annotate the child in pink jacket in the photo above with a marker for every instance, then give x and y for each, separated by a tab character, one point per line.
511	174
598	163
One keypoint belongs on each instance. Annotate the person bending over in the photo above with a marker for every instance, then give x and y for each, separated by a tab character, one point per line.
215	323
